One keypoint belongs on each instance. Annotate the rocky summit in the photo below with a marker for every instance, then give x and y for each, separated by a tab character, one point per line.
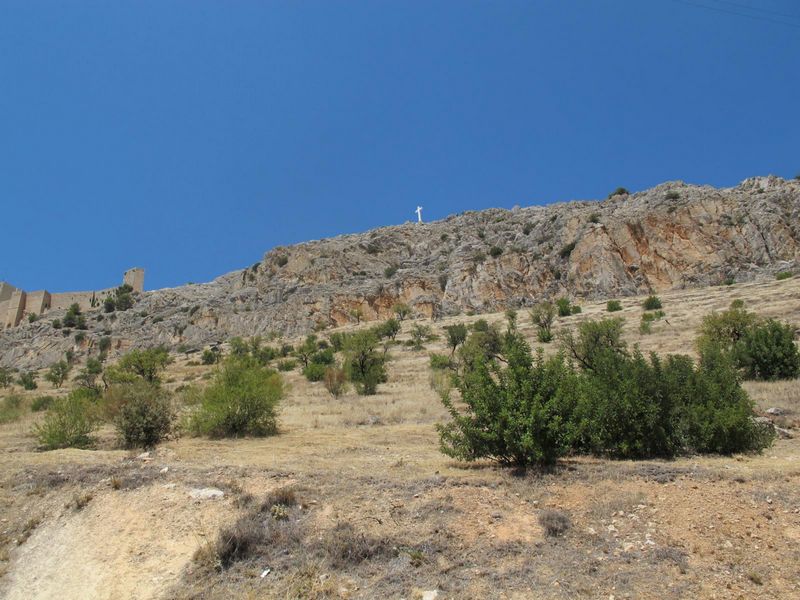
674	235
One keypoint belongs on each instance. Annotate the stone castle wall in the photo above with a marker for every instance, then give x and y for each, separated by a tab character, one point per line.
16	304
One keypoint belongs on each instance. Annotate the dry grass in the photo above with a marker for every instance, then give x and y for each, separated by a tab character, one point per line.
373	509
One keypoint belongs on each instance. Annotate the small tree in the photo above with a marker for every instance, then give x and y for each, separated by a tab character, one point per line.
388	329
306	350
456	335
542	316
364	365
419	334
357	314
58	373
335	381
146	364
403	311
87	377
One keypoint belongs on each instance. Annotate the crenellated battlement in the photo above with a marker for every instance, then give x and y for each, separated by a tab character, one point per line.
17	304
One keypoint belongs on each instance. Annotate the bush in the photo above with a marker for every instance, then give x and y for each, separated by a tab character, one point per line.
41	403
146	364
56	323
542	316
652	303
672	195
566	251
242	400
389	271
10	408
620	191
783	275
335	381
761	349
28	380
554	522
32	318
145	415
613	306
419	334
288	364
210	356
364	366
495	251
513	415
6	377
768	352
440	362
58	373
388	329
523	410
70	422
564	307
315	371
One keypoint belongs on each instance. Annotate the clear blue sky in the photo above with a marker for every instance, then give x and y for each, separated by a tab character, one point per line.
190	137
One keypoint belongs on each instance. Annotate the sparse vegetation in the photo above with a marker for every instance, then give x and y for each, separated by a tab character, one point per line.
783	275
554	522
27	380
495	251
335	381
10	408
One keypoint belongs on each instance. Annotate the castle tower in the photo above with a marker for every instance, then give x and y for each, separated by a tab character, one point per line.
134	278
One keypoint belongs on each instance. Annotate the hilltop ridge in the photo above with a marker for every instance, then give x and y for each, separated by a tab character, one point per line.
672	236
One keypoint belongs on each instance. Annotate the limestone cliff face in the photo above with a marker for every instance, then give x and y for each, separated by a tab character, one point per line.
672	236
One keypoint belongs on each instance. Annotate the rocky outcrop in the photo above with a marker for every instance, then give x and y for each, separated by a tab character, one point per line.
672	236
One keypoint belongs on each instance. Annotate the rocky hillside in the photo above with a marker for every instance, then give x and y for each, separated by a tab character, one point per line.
671	236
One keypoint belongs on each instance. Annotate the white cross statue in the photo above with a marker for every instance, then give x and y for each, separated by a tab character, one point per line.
419	214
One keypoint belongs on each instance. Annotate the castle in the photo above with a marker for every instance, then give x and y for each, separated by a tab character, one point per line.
16	304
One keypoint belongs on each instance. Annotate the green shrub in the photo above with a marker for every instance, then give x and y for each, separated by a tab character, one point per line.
241	400
41	403
768	352
620	191
495	251
575	309
672	195
33	317
58	373
566	251
515	415
6	377
542	316
594	218
564	307
288	364
440	362
455	335
282	260
388	329
146	364
761	349
613	306
69	422
315	371
335	381
594	338
56	323
783	275
145	415
364	366
10	408
652	303
28	380
211	356
522	410
419	334
390	271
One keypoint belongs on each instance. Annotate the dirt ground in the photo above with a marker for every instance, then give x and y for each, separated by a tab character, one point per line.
381	513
